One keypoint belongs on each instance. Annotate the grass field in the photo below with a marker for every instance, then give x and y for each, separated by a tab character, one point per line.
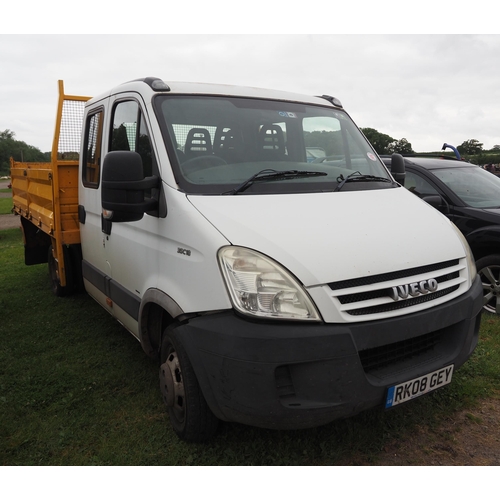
5	205
76	389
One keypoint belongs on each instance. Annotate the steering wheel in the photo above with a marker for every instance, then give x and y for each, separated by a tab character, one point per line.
200	162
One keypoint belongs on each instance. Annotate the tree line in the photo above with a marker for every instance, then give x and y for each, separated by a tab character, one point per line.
19	150
471	150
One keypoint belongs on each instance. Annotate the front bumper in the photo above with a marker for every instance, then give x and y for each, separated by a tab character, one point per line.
295	375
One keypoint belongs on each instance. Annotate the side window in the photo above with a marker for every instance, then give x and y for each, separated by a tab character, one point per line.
129	133
91	163
418	185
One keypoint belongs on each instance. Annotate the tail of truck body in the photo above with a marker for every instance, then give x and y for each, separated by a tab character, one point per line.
45	195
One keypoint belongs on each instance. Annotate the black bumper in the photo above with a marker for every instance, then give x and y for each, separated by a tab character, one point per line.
297	375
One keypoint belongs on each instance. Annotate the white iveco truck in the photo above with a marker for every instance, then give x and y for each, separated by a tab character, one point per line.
254	243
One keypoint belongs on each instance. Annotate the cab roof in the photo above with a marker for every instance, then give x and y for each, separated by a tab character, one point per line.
150	86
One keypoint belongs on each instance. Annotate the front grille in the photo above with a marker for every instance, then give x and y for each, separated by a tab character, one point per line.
389	293
399	352
386	292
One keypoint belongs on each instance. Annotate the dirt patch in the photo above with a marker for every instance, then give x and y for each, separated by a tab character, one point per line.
469	437
9	221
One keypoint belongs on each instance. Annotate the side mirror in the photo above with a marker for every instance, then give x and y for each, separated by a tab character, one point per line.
398	169
123	187
438	202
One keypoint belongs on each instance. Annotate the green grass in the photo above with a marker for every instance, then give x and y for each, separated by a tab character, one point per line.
77	389
5	205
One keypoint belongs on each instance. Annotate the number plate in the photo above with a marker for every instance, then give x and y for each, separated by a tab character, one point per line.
400	393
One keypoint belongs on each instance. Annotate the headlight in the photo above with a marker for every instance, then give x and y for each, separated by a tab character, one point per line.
468	253
260	287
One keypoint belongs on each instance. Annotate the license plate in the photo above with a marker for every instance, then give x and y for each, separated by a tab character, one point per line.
412	389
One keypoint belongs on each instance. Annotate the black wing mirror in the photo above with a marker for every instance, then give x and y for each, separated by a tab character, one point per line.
438	202
123	187
398	169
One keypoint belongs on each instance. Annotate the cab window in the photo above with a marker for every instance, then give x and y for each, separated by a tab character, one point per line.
91	163
418	185
129	133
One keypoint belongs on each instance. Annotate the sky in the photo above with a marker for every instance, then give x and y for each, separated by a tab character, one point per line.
428	88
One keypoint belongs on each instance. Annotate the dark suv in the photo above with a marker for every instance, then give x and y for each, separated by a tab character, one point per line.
470	197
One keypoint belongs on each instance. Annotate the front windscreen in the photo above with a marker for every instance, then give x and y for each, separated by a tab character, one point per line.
474	186
216	144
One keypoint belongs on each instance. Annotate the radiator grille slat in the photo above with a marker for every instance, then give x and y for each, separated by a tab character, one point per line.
379	278
403	303
398	290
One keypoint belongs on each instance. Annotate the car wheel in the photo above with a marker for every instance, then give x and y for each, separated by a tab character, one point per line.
190	416
488	269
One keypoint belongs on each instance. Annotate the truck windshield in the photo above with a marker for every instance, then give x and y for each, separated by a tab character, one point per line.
216	144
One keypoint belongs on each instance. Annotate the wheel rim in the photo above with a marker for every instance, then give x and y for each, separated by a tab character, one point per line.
490	278
172	386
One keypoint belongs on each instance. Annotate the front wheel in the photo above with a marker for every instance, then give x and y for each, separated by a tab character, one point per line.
191	418
488	269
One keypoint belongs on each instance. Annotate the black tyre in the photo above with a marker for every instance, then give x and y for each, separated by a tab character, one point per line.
191	418
488	269
57	288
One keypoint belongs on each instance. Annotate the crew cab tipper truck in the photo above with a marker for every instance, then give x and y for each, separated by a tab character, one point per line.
256	245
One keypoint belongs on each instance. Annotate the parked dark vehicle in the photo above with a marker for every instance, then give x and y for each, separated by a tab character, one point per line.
470	197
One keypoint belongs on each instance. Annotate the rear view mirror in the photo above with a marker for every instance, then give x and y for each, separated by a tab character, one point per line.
398	169
438	202
123	187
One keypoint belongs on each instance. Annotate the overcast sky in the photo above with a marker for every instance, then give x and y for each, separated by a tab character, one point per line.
429	89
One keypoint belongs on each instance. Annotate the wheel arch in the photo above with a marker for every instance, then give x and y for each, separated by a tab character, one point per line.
484	241
156	312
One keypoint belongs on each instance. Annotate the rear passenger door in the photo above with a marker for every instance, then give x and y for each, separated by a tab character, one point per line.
95	267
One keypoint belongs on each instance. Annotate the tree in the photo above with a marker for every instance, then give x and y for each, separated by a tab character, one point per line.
470	147
18	150
402	147
7	134
381	142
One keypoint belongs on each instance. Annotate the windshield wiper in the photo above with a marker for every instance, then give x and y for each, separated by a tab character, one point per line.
269	175
358	176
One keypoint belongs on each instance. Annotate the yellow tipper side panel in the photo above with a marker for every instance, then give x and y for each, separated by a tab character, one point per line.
32	194
46	194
